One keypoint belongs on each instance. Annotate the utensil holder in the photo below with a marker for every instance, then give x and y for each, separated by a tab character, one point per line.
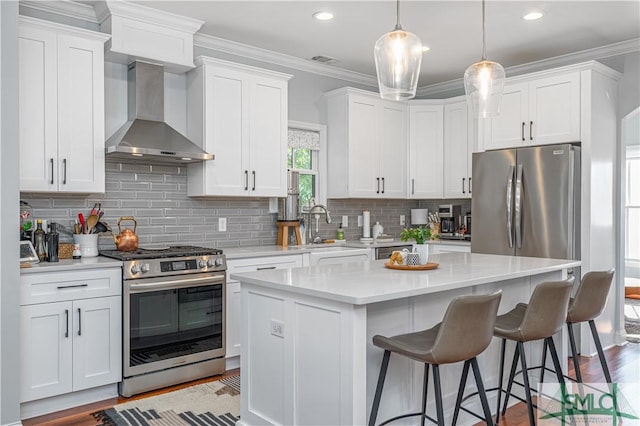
88	244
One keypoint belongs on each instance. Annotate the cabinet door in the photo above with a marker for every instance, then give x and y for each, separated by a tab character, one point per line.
268	135
392	150
80	115
554	110
46	350
456	151
510	128
233	328
97	342
425	152
38	103
363	153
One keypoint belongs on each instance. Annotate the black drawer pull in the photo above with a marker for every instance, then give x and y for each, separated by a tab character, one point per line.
72	286
265	267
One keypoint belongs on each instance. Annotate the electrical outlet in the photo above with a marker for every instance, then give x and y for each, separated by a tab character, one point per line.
277	328
222	224
359	221
345	221
401	220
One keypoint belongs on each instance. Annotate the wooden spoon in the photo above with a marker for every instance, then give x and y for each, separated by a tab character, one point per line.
92	220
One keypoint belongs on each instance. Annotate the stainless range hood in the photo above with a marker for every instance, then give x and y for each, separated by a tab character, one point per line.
145	135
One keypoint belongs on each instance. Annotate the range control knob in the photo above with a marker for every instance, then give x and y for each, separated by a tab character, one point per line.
144	268
219	262
202	263
135	268
211	263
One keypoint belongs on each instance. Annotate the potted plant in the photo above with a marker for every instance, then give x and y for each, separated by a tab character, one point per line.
420	234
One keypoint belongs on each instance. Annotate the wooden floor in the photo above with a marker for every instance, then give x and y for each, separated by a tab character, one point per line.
623	361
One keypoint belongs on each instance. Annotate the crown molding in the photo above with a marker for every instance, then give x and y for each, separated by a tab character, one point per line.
28	21
614	49
152	16
251	52
67	8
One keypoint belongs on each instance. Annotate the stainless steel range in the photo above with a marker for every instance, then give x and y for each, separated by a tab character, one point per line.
173	316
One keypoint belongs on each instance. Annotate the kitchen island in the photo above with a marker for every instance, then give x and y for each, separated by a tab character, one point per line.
307	356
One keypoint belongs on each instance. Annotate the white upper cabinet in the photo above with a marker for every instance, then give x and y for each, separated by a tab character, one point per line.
367	145
239	114
61	92
540	111
426	143
459	144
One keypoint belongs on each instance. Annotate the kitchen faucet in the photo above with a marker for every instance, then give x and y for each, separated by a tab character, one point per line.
316	210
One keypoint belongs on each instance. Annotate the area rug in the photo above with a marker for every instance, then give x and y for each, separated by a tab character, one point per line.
214	403
632	319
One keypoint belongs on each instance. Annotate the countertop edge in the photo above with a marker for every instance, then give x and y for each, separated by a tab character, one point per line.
69	265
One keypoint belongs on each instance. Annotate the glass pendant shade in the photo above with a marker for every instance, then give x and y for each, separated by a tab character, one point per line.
483	85
398	56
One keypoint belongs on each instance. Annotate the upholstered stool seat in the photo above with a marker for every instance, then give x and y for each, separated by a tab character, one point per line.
540	319
455	339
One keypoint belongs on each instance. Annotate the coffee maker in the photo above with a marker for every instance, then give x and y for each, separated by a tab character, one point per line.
289	207
450	217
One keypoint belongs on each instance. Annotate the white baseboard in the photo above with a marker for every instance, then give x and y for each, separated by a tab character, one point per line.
232	363
620	337
69	400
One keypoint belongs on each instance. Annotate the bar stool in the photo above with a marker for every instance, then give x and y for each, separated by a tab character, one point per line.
540	319
442	345
587	304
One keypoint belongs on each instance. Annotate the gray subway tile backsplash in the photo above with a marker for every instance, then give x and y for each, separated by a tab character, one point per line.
156	195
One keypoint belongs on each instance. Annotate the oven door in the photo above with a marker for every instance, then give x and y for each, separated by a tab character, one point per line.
172	321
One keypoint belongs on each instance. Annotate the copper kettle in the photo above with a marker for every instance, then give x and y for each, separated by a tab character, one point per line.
126	240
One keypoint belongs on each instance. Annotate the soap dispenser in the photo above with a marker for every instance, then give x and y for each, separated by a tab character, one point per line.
340	233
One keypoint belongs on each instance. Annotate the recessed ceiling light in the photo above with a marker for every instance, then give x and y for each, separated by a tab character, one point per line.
532	16
323	15
425	48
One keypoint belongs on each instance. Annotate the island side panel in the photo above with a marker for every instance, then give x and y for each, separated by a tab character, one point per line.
313	372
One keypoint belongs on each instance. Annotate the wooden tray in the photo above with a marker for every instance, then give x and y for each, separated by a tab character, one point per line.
429	265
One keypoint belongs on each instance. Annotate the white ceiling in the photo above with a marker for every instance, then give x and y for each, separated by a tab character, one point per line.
452	29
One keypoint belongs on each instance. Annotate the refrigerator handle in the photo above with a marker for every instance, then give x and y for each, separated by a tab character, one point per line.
518	207
509	204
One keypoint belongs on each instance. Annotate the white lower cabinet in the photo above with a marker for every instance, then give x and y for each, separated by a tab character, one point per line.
74	344
233	314
449	248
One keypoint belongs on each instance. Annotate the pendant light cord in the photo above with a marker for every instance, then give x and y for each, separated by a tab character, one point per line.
398	26
484	36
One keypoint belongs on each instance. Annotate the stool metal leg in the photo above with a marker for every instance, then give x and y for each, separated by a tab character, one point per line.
525	380
544	361
463	383
438	391
512	376
603	361
556	360
425	385
481	391
378	395
502	349
574	352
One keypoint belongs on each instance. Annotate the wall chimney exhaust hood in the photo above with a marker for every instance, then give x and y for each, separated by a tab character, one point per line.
146	134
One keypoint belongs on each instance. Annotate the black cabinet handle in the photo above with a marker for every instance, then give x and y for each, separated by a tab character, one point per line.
246	180
265	267
72	286
378	185
469	184
253	173
463	179
79	322
66	314
413	186
64	171
383	185
51	161
522	132
531	130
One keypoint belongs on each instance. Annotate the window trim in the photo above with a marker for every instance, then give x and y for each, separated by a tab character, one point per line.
321	177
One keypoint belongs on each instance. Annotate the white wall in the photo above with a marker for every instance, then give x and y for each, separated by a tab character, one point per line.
9	223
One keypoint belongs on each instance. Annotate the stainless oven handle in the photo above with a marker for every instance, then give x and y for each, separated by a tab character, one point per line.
181	283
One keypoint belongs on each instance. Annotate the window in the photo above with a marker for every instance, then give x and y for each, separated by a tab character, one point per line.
306	155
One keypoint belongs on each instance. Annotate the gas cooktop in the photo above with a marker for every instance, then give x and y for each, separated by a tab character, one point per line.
160	252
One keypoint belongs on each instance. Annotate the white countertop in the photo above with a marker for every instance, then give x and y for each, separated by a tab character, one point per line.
72	265
370	282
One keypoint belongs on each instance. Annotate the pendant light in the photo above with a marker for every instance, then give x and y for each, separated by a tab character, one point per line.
484	83
398	56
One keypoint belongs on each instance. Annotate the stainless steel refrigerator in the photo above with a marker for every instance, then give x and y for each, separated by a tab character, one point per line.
526	202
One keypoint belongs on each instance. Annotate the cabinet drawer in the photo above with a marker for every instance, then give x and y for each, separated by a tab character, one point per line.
258	263
70	285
